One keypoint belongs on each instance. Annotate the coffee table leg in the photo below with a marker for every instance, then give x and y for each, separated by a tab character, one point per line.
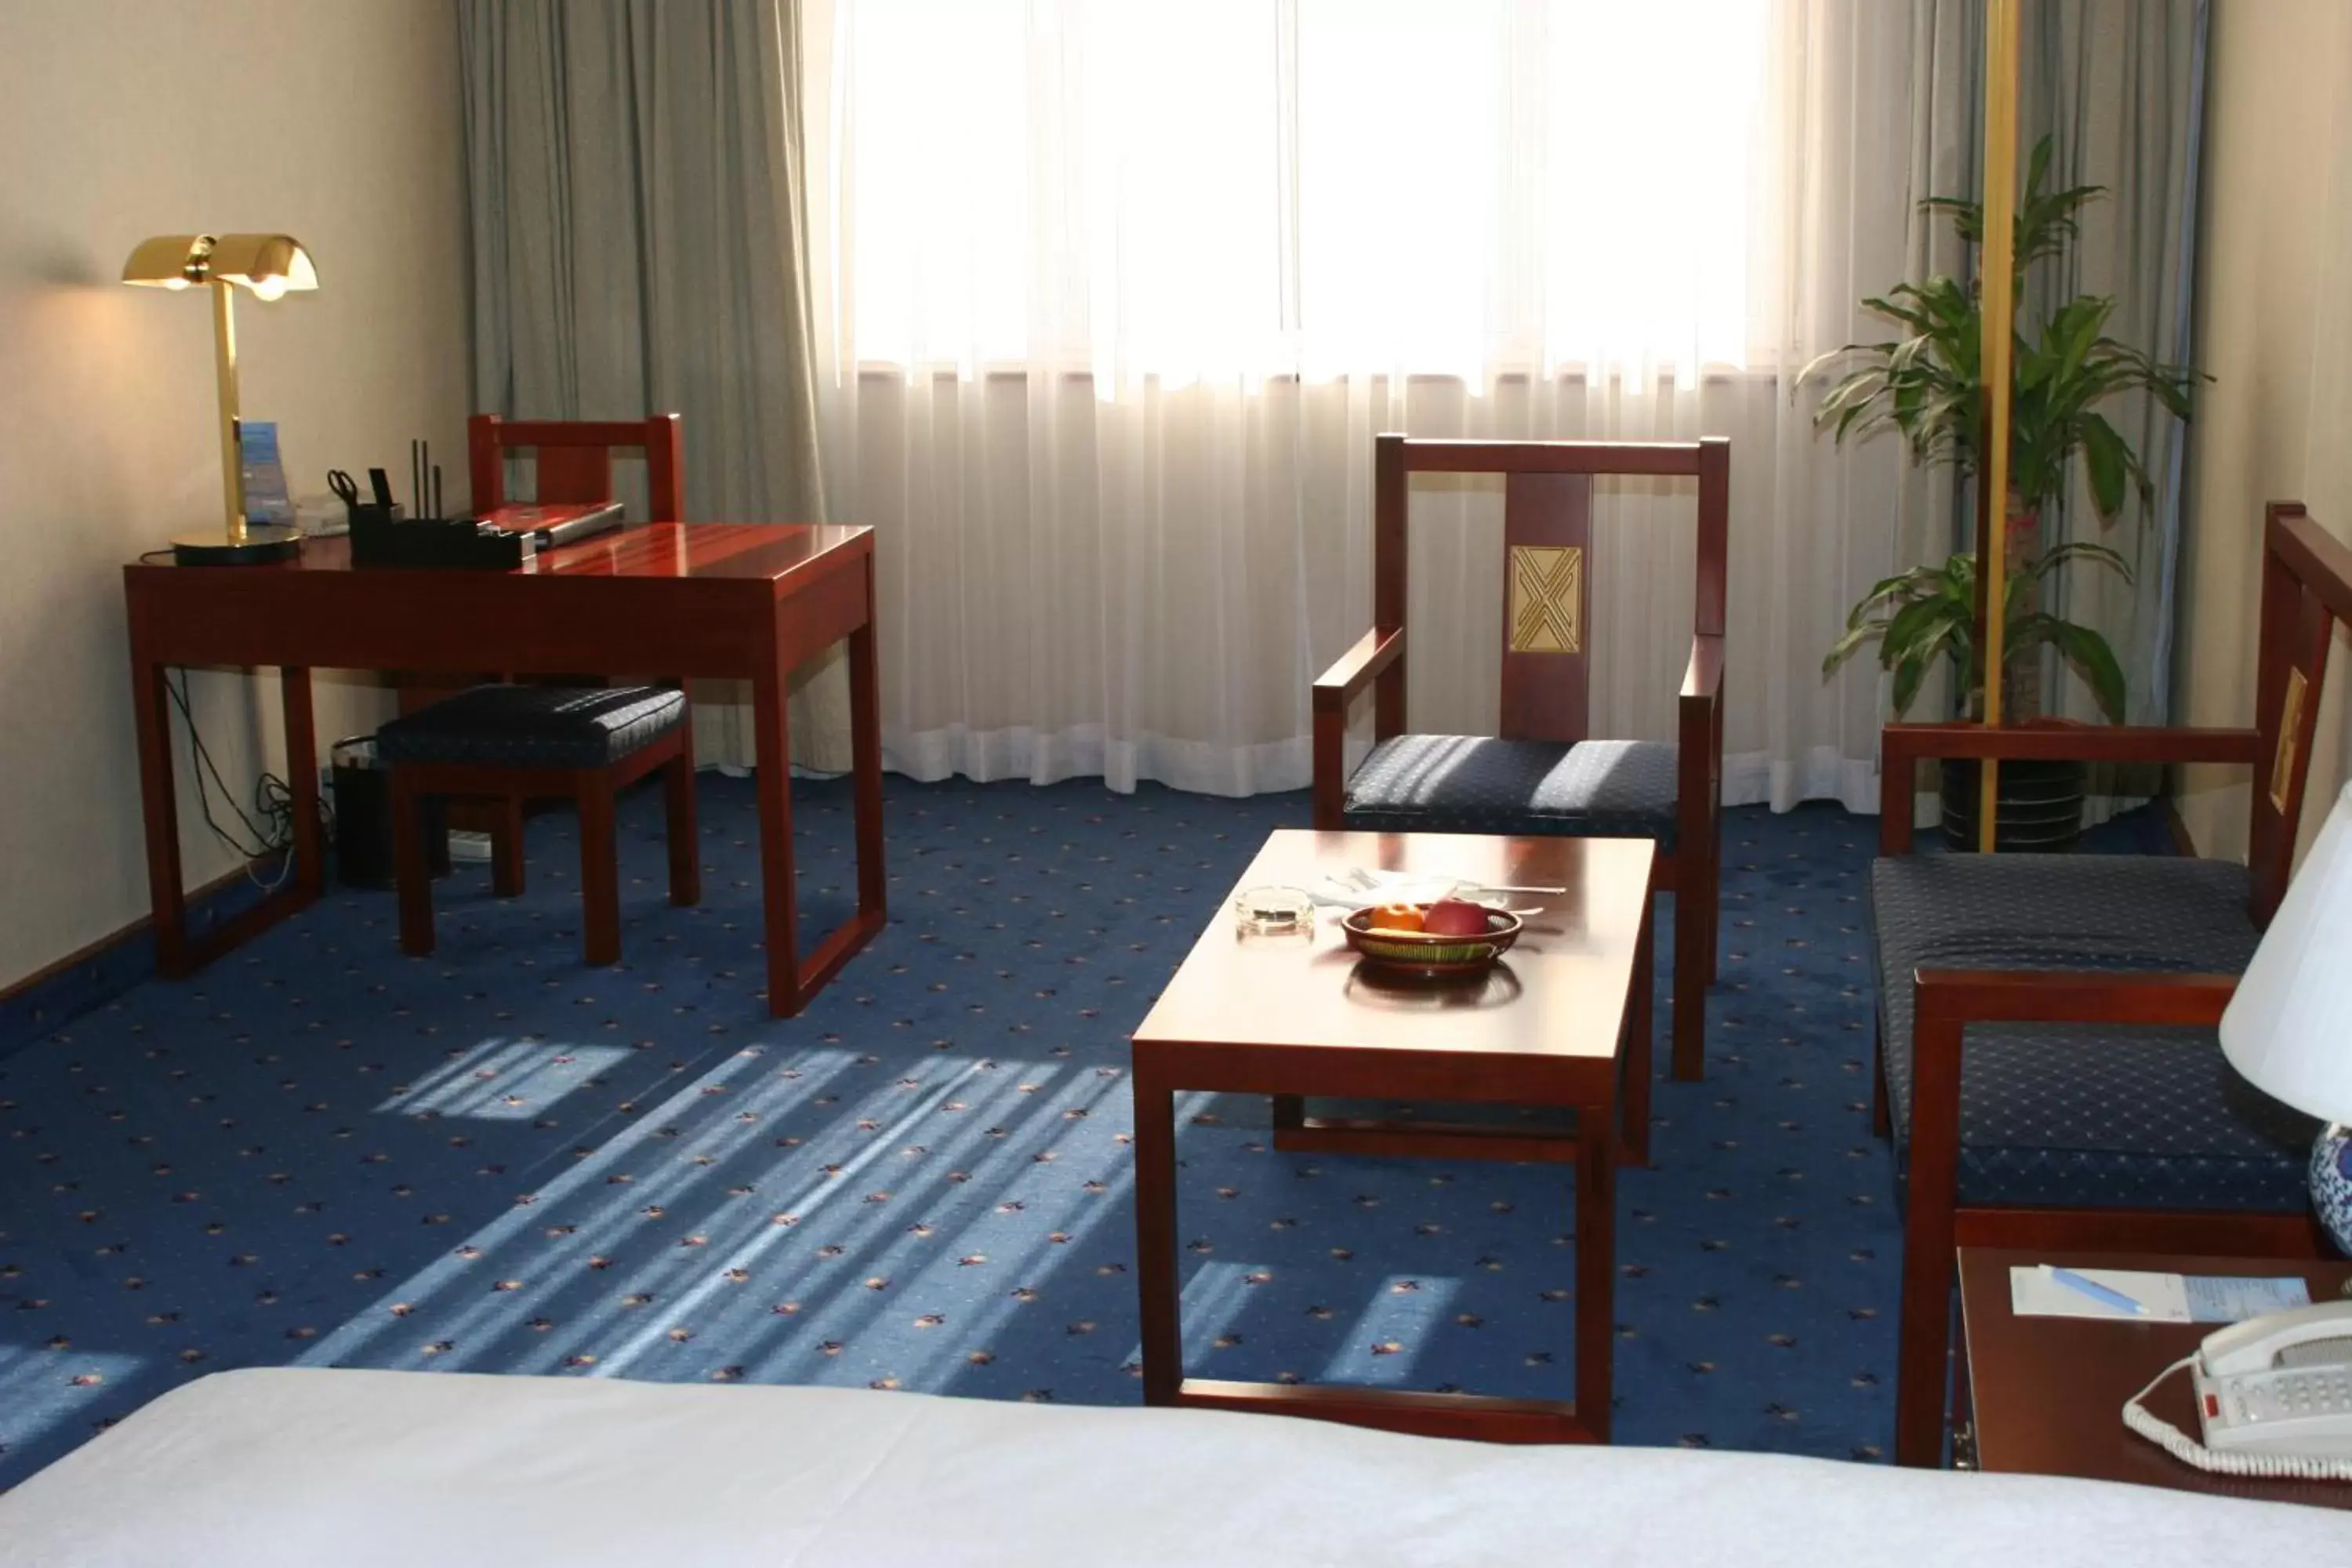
1596	1268
1289	1112
1639	1011
1156	1284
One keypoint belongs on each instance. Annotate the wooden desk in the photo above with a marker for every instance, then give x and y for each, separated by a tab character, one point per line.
1555	1023
2048	1393
743	601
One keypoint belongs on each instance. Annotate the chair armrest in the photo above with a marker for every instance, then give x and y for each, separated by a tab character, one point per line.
1703	681
2065	996
1902	747
1948	1000
1374	652
2055	741
1334	689
1698	760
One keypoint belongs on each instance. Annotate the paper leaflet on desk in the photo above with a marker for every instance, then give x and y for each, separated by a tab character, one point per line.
266	500
2034	1292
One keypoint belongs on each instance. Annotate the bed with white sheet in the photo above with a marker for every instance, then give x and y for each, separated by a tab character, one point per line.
311	1467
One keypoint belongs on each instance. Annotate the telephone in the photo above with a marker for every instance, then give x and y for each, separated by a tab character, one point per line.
2273	1396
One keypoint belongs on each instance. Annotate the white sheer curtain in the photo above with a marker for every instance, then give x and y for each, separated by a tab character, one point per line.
1113	295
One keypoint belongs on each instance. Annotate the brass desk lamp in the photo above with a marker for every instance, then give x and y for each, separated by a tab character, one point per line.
271	265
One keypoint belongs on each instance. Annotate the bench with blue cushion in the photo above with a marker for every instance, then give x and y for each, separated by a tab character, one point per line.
515	743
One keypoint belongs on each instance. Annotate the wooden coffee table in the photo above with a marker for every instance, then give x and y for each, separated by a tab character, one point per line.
2045	1396
1557	1021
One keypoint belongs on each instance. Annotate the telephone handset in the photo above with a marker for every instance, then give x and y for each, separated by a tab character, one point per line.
2273	1396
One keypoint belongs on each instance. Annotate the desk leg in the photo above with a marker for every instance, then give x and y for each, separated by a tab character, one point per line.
1159	1293
302	780
1596	1266
160	806
866	756
772	735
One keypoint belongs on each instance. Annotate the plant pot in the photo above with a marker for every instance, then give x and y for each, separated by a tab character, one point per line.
2040	808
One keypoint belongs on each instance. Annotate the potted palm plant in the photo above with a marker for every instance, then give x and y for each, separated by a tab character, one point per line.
1927	384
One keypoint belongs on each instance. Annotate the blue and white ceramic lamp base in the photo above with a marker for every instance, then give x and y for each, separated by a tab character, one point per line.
2331	1183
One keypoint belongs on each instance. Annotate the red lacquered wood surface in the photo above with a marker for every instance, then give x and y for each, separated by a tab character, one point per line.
749	601
2047	1393
1561	1019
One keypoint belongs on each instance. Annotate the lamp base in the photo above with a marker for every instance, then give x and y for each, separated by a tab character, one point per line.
2331	1183
263	541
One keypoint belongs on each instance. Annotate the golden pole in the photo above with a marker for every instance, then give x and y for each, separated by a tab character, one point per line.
232	439
1997	282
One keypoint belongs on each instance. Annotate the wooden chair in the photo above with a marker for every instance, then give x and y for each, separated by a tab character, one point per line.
575	459
1542	774
574	463
2047	1062
522	742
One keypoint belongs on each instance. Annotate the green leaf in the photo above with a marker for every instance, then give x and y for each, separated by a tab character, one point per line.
1911	627
1845	647
1909	675
2089	652
2079	549
2109	460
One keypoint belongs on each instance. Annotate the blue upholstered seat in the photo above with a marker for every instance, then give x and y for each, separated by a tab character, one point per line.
2083	1116
534	726
1464	783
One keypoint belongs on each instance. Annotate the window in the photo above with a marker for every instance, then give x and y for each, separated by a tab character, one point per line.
1325	187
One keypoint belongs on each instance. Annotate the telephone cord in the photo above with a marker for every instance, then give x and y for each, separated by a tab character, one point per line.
2188	1451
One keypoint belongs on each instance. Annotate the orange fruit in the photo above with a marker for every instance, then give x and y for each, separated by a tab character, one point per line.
1396	918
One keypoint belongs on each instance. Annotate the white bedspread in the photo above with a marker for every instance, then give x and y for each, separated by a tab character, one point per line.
316	1466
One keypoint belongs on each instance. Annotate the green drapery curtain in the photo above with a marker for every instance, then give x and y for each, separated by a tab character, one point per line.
636	180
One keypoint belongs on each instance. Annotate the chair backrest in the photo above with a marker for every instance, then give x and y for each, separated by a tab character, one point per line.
575	459
1547	554
2306	590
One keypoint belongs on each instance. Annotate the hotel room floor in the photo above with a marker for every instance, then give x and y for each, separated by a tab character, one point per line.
321	1152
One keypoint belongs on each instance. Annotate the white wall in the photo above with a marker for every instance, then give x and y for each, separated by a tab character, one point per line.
334	120
2275	328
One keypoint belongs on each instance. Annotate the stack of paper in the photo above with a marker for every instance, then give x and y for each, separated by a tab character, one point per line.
2132	1295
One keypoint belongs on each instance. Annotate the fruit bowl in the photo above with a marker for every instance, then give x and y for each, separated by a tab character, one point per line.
1431	954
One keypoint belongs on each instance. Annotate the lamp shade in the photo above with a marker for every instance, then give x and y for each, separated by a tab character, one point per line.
2289	1027
269	264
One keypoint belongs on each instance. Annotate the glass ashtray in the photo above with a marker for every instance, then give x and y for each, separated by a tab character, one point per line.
1273	912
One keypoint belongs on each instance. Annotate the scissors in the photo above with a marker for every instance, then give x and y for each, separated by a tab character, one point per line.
345	490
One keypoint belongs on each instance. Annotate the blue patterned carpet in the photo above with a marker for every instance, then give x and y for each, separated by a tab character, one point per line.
320	1152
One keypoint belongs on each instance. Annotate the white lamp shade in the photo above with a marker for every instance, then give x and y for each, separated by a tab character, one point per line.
2289	1027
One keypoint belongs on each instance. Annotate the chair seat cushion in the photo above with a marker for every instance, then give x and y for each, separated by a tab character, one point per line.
1467	784
2087	1116
534	726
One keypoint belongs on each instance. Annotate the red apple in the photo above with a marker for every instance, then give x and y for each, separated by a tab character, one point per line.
1455	917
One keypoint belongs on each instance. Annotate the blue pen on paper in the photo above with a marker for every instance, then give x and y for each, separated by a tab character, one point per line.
2098	1292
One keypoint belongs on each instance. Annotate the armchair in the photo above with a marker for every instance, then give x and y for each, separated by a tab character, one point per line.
1543	774
2047	1065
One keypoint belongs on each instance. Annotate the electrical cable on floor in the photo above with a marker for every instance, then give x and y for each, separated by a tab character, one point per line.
273	802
